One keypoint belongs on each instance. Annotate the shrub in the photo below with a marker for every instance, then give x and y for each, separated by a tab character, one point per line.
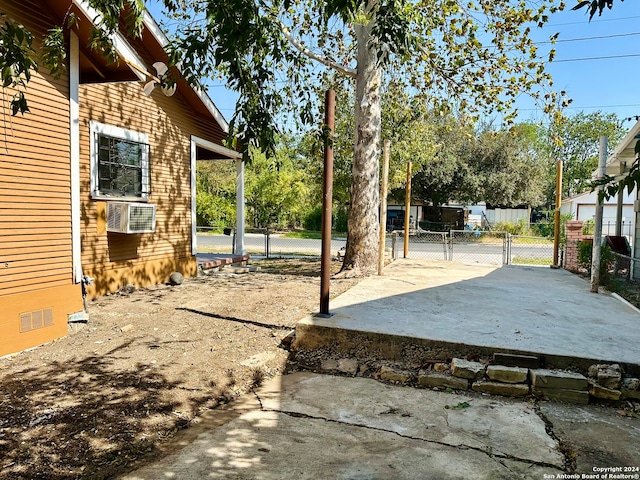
542	229
514	228
585	253
588	227
313	219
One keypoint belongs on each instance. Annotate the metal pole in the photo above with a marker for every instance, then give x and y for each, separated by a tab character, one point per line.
556	222
327	197
619	222
383	205
407	212
597	234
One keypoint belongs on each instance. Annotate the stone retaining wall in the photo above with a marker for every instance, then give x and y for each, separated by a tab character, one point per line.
604	381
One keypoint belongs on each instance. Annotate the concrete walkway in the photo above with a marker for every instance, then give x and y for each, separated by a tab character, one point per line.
515	309
309	426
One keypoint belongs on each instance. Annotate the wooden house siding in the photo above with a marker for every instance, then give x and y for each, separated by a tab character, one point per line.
113	259
35	203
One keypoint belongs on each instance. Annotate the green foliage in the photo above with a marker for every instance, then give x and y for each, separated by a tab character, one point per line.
542	229
453	161
313	219
576	143
588	227
215	193
17	59
629	182
339	217
214	211
546	229
505	169
474	55
276	192
585	254
520	227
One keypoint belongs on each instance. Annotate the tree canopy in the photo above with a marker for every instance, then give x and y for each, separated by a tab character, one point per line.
463	56
576	143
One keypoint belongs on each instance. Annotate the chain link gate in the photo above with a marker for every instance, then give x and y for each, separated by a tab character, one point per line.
479	246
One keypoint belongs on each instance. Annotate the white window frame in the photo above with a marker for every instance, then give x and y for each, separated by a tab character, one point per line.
97	128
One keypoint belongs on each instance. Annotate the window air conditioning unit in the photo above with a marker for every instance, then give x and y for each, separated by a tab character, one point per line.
124	217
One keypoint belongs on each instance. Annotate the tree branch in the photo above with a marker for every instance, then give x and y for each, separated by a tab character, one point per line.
350	72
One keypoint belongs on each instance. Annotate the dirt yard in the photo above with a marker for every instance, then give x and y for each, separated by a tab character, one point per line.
96	403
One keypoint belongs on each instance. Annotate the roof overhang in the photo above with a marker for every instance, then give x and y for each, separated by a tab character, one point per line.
135	55
624	155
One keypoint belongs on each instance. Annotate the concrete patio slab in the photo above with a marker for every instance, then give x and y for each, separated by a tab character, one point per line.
449	307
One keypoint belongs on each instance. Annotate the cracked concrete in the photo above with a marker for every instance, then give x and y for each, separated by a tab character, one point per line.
319	426
598	436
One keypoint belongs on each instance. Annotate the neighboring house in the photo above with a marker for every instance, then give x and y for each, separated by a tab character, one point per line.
93	152
583	207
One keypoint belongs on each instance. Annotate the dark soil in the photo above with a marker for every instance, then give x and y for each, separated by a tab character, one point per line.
95	404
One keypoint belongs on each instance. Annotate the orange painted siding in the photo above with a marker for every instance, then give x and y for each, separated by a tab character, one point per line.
114	259
35	203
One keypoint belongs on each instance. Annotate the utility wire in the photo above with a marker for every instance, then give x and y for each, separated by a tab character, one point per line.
588	38
595	58
594	21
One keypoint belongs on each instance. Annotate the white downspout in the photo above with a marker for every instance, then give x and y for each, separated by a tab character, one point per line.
194	236
74	137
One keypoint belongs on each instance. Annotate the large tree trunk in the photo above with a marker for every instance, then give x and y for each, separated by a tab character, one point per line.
361	256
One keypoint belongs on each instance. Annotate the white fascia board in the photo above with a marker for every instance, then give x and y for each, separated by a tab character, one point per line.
628	139
126	51
214	147
215	113
161	38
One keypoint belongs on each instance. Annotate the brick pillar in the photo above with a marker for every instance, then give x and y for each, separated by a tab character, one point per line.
574	235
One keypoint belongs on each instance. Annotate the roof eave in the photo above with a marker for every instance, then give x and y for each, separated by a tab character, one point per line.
155	30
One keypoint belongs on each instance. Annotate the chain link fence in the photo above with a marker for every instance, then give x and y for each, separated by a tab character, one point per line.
524	250
267	243
424	244
498	248
478	246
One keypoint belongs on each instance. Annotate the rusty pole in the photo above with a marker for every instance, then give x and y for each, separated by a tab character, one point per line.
556	223
327	198
383	205
407	213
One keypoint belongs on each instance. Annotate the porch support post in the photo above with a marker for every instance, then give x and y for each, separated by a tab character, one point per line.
239	246
597	234
620	204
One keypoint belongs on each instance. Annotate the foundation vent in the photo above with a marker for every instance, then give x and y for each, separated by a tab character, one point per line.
36	319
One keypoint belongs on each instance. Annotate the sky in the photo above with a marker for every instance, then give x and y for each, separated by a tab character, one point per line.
597	63
601	72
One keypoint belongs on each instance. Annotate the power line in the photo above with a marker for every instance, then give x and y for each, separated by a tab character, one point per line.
596	58
588	38
594	21
576	107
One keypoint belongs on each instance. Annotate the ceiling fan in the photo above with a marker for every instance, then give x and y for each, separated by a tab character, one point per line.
158	80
